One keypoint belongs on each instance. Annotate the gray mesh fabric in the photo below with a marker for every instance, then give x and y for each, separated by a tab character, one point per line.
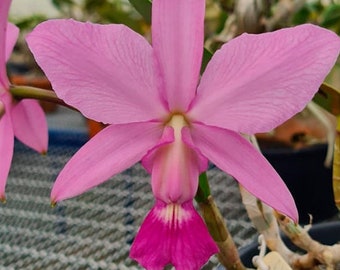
94	230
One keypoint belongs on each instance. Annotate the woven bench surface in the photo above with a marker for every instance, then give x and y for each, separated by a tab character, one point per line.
94	230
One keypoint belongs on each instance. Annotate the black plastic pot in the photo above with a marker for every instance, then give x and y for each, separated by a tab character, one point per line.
309	181
326	233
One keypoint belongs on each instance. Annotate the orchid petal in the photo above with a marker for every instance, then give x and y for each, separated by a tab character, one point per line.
106	71
6	151
177	235
12	34
256	82
167	138
30	125
237	157
4	9
111	151
177	39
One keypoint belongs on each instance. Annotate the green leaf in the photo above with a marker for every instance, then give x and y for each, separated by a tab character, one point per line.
144	8
205	60
309	12
60	4
203	191
331	16
328	98
30	22
301	16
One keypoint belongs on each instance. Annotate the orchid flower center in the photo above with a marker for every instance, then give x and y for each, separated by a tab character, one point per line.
177	122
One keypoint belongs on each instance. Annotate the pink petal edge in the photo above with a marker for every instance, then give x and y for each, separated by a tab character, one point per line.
111	151
237	157
176	235
6	151
105	71
6	39
12	34
30	125
256	82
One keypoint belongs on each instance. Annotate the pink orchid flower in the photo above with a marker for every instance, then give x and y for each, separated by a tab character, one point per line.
23	119
162	113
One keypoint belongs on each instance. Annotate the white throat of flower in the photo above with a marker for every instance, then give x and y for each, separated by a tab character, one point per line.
173	215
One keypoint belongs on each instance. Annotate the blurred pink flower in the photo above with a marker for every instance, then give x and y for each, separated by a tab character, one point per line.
162	113
23	119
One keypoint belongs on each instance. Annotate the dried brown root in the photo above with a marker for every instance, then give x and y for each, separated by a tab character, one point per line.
316	253
268	223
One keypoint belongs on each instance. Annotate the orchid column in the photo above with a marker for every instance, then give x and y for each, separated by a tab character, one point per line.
161	112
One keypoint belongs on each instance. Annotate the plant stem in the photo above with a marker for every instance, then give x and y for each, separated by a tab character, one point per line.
228	253
20	92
